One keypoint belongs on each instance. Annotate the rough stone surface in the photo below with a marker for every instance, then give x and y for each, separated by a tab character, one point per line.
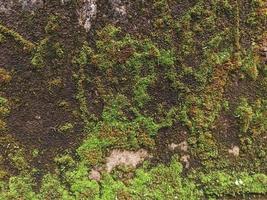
7	6
87	13
185	159
172	146
118	7
95	175
128	158
31	4
183	146
234	151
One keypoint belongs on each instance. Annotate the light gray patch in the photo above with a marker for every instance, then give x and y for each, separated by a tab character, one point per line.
183	146
185	159
31	4
87	13
127	158
118	7
234	151
65	1
7	6
95	175
173	146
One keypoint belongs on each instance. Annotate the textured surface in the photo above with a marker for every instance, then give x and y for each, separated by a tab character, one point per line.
133	100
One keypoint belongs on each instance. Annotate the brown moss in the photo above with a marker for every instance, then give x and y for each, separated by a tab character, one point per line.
3	174
94	156
118	138
17	37
5	76
3	126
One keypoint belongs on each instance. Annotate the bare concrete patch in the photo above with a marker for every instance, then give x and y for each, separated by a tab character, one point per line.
234	151
124	157
172	146
183	146
95	175
185	159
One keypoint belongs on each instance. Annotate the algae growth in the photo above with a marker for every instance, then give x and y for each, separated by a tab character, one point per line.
111	99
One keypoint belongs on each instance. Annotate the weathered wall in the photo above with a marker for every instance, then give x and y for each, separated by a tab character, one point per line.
86	9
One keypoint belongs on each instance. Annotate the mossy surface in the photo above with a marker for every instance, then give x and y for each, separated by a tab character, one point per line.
184	81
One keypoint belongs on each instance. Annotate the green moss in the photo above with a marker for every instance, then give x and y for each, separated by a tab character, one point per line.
51	188
66	128
245	113
252	118
2	38
4	112
4	107
220	183
140	91
91	150
39	54
64	104
111	188
59	50
163	182
250	65
5	76
205	148
52	25
55	83
80	185
3	126
3	175
48	49
177	76
18	187
80	61
85	189
18	159
35	153
65	161
29	46
166	58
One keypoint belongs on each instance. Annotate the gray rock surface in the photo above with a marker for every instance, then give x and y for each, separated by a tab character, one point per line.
87	13
7	6
86	10
31	4
118	7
